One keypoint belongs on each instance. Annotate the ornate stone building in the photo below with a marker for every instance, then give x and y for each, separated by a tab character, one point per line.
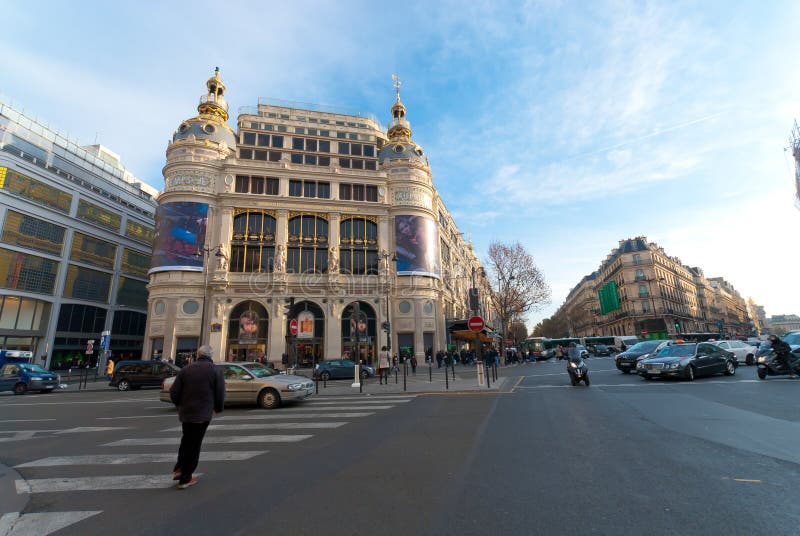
640	290
306	234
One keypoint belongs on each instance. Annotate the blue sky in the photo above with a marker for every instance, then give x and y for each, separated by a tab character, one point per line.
565	125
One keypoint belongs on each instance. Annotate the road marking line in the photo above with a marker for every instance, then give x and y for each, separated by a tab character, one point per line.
747	480
94	483
209	440
122	459
372	397
27	431
120	401
170	415
83	429
521	378
293	416
321	403
40	523
329	408
268	426
26	420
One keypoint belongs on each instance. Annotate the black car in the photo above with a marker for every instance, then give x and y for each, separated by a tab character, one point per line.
600	350
688	360
626	361
337	369
135	374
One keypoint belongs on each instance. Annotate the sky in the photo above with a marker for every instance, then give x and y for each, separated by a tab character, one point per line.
566	126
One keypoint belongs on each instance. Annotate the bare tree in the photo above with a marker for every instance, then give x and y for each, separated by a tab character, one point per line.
520	285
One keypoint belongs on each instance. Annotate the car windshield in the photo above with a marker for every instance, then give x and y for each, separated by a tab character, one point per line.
792	339
678	350
261	371
647	346
600	347
33	368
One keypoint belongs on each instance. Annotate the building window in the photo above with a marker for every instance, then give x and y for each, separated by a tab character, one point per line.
344	162
358	192
36	191
27	231
642	291
324	146
307	245
249	138
297	158
277	142
296	188
637	259
404	307
645	307
190	307
132	293
92	250
371	192
371	165
324	190
23	271
253	242
345	192
85	284
639	275
344	148
324	161
98	215
271	187
298	144
359	246
135	263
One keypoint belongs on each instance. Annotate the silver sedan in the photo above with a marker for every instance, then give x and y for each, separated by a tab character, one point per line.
255	383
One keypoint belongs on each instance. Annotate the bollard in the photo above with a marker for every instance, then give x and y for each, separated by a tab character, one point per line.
395	374
446	379
430	372
488	381
316	385
405	373
69	374
361	380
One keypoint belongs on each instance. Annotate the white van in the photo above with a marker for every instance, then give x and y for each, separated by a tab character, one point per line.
624	342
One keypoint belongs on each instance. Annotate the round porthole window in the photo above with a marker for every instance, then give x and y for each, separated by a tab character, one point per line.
190	307
159	308
428	308
209	129
404	307
183	128
398	148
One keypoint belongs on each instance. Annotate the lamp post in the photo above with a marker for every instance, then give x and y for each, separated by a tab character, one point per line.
205	253
388	327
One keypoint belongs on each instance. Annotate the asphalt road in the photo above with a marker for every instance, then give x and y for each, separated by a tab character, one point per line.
624	456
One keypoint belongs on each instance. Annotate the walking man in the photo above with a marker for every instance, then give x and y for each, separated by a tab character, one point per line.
198	391
383	366
110	368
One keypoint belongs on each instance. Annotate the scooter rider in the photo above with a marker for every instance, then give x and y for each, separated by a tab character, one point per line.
573	353
782	350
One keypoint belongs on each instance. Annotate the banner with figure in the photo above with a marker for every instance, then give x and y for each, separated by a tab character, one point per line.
180	234
417	245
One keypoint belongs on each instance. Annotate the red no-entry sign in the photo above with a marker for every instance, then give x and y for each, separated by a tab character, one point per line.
293	326
476	324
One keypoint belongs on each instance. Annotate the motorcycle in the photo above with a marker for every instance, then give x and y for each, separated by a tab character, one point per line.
770	365
578	371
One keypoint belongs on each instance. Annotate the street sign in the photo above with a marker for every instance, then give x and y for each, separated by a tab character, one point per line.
386	326
476	324
90	347
644	333
293	326
105	340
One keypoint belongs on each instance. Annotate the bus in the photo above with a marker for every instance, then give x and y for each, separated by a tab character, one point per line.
551	344
534	347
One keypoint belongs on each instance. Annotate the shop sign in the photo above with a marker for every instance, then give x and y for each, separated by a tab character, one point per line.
305	325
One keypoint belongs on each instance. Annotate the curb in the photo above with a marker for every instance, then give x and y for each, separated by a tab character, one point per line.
10	500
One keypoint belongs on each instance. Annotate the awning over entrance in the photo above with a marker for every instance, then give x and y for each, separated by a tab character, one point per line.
458	330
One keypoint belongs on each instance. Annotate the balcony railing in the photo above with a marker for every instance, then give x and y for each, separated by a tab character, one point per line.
214	99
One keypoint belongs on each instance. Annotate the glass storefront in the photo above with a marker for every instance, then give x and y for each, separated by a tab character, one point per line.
358	333
307	347
248	326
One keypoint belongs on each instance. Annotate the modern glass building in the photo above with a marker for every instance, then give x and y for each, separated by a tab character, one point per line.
308	232
76	232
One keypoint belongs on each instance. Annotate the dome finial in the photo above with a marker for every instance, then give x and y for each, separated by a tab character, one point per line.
397	84
214	101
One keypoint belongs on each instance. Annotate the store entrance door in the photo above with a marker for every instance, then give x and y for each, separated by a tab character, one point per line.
245	352
310	352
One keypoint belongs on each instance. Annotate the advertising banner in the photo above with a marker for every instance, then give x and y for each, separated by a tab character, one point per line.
417	245
305	325
358	326
180	234
248	327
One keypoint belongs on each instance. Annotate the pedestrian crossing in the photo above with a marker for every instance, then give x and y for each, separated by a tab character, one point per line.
294	424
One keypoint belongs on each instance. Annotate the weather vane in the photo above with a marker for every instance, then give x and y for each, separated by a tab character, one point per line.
397	84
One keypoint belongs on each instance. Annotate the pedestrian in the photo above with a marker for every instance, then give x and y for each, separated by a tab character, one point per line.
559	352
383	366
198	392
110	368
413	365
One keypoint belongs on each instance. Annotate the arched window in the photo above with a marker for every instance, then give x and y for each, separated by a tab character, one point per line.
358	244
307	248
253	243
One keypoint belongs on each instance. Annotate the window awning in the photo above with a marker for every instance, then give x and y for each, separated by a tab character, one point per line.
458	329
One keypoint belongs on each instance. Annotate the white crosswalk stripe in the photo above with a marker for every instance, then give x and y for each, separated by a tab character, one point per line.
326	408
269	426
40	524
277	416
210	440
122	459
355	403
94	483
82	429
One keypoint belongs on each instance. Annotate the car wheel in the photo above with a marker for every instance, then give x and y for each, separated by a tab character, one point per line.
45	391
626	371
730	369
325	376
123	385
690	373
20	389
749	360
269	399
762	374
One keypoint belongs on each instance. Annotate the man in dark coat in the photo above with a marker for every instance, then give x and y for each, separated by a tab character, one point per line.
198	392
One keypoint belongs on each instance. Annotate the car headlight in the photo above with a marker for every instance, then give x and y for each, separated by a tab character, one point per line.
762	359
639	365
674	365
295	386
573	365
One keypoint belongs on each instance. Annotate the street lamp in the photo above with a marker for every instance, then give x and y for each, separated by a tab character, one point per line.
205	253
388	325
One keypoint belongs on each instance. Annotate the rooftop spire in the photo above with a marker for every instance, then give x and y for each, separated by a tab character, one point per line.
400	128
213	102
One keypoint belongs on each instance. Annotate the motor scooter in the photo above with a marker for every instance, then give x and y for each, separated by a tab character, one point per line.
770	365
577	370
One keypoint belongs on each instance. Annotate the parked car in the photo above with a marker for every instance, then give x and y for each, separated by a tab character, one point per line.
255	383
600	350
24	377
340	369
626	361
792	339
744	352
688	360
137	374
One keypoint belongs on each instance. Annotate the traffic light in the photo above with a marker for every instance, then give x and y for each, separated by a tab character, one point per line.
677	326
289	305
